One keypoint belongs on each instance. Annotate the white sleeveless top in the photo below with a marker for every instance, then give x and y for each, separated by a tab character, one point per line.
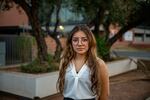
78	85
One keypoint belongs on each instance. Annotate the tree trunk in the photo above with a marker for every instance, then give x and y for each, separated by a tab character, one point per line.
141	16
58	47
42	47
48	20
107	57
31	9
54	34
98	20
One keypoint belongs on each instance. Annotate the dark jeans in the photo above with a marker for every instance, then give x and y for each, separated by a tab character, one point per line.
65	98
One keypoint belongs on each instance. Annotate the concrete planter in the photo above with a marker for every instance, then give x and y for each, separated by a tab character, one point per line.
121	66
42	85
28	85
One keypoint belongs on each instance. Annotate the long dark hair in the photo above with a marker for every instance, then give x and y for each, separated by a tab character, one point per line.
92	59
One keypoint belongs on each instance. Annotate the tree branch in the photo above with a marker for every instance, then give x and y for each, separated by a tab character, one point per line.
141	16
25	6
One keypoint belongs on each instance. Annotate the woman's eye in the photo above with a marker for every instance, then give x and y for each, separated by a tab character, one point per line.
75	40
84	40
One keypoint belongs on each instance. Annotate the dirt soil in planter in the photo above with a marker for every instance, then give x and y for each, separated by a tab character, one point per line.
12	69
18	69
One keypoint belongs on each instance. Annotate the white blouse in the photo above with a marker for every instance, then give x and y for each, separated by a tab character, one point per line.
78	85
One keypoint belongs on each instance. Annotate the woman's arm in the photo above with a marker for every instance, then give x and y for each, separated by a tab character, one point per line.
104	77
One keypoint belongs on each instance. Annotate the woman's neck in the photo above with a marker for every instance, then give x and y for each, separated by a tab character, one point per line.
80	57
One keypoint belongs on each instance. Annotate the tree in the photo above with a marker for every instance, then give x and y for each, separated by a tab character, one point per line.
31	9
47	9
92	11
127	14
137	15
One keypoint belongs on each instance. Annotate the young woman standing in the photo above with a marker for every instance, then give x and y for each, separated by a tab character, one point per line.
83	76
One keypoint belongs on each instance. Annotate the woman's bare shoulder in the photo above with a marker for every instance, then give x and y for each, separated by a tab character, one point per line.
101	61
102	65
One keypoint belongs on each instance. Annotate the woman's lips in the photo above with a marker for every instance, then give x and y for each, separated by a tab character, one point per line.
80	49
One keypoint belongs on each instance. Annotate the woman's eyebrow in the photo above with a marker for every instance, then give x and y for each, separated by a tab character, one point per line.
79	37
83	37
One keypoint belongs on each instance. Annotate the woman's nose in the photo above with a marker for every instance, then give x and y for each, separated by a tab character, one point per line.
80	42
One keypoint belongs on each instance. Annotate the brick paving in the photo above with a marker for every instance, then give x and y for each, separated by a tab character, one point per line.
134	85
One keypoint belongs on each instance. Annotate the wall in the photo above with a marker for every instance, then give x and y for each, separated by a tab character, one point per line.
13	17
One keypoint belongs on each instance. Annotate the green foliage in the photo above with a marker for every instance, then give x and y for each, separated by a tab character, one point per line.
45	7
23	44
50	58
122	10
88	8
119	11
101	47
36	67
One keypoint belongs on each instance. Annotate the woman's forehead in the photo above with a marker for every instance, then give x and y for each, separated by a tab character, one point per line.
79	34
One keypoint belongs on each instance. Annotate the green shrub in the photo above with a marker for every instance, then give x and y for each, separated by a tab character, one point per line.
36	67
101	47
22	48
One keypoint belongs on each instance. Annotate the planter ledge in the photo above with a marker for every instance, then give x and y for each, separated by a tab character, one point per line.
42	85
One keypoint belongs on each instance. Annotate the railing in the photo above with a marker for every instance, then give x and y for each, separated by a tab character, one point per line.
138	62
18	49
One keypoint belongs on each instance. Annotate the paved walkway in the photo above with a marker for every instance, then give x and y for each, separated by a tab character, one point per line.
133	85
130	86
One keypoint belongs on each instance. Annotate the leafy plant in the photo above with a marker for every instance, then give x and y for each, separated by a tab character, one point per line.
22	48
36	67
101	47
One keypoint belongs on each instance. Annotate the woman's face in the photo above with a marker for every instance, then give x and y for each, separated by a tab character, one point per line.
80	43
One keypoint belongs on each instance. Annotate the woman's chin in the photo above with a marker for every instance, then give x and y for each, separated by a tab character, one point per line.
81	52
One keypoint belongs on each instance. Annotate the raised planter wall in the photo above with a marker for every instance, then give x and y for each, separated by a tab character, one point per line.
28	85
121	66
42	85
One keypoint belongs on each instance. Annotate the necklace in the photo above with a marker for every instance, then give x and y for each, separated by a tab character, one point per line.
79	64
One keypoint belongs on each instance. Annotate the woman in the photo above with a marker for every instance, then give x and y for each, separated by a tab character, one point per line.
83	76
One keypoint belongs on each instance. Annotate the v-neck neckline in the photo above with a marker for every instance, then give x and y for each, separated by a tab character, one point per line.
81	69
